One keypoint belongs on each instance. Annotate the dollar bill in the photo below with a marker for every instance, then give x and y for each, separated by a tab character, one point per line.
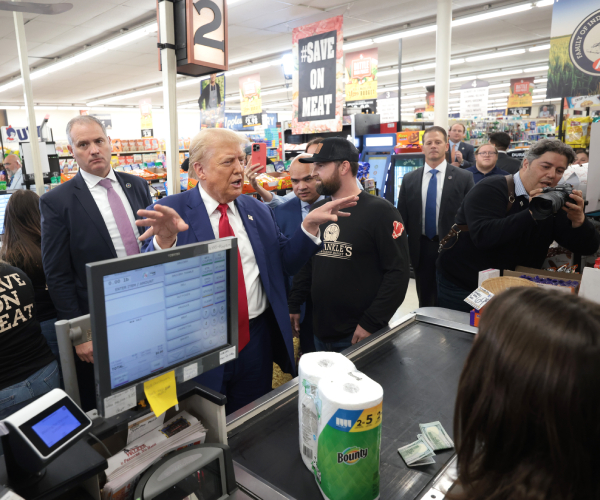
424	438
435	434
415	452
425	461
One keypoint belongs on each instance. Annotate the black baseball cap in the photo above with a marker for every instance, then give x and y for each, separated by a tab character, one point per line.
332	149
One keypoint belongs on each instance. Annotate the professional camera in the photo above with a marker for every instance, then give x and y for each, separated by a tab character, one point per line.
550	201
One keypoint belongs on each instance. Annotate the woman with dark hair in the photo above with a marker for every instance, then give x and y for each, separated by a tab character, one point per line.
21	247
527	416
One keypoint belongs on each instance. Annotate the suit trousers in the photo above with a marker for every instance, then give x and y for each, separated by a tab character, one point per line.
425	275
250	376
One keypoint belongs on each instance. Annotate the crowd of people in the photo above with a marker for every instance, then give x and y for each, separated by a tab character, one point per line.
328	263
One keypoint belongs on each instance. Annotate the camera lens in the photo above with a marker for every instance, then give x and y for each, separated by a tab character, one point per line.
546	204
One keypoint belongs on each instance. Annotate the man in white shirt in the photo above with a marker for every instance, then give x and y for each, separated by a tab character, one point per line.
215	210
15	172
428	201
88	219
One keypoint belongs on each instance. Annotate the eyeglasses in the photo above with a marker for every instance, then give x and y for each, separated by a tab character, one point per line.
487	154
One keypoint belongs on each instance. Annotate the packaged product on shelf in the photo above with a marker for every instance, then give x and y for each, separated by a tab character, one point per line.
154	143
186	143
125	146
139	145
114	160
147	144
181	143
577	131
129	160
117	147
181	158
122	160
163	145
137	158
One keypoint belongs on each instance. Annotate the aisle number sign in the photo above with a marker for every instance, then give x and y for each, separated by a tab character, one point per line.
201	36
250	100
474	99
318	77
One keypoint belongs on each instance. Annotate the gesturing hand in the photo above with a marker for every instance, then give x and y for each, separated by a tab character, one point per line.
329	212
164	223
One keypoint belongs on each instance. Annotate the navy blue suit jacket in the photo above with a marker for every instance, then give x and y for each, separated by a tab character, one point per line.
74	234
275	254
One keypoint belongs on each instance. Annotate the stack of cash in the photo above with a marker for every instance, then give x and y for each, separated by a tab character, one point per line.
421	452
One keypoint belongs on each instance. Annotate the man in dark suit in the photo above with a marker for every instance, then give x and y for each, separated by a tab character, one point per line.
462	154
211	94
88	219
502	141
216	209
289	217
428	201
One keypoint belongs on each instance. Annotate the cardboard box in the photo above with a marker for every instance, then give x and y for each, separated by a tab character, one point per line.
520	271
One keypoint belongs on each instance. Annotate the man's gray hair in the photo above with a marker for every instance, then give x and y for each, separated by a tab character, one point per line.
550	146
83	119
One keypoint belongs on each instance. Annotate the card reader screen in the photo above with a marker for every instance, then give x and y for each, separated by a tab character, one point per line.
160	316
56	426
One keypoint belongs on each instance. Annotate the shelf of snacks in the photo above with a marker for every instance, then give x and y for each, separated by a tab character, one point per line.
271	182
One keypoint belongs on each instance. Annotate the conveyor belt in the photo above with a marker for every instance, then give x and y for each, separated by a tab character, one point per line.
418	366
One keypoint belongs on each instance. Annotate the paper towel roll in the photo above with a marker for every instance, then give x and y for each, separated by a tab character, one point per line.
312	368
349	437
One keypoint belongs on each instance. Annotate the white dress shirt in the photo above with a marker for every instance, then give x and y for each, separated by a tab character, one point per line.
100	195
16	181
438	199
305	207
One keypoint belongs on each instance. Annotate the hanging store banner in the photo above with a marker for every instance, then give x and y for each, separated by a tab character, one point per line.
233	121
574	67
318	77
521	93
430	102
250	100
146	117
387	106
361	75
474	99
107	120
212	101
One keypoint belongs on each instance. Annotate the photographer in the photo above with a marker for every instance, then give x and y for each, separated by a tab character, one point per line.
495	233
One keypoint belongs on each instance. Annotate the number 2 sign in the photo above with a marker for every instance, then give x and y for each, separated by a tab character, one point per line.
201	36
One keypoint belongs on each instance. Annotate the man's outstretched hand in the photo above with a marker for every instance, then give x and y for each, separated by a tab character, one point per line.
163	222
329	212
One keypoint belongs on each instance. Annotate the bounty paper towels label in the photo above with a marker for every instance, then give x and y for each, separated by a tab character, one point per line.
348	455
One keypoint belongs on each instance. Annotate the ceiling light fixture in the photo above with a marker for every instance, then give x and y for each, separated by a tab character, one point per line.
491	14
539	47
358	44
495	55
501	73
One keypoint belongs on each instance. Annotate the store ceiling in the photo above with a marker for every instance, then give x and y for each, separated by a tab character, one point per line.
258	30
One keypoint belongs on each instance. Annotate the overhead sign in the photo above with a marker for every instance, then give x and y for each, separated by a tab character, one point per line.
474	99
574	66
146	117
387	106
106	120
201	36
250	100
233	121
212	101
361	75
521	93
11	136
317	90
429	102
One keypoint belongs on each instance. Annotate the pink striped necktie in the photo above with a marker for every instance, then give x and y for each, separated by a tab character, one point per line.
121	218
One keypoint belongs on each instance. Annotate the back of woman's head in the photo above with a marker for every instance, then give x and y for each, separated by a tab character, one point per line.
21	243
527	416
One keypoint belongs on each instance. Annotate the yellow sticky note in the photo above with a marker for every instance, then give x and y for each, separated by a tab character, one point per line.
161	393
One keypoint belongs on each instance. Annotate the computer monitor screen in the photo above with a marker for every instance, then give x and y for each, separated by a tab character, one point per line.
378	169
3	202
157	311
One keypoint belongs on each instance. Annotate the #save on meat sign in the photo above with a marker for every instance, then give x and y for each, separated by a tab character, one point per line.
317	58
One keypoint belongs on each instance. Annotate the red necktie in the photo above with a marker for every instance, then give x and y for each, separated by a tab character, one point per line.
225	229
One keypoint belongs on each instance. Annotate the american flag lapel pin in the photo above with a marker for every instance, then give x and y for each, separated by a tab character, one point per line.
250	217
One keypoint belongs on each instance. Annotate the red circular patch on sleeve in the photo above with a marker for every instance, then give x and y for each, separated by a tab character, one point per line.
398	229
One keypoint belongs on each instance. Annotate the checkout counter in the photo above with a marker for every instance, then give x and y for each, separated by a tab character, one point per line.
418	362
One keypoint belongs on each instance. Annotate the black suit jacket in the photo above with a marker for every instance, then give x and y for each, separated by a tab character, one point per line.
468	153
510	165
457	183
205	95
74	234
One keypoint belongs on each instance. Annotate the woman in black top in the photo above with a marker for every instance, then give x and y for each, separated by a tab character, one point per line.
21	247
28	368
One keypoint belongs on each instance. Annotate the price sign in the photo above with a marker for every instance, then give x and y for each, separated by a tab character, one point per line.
252	120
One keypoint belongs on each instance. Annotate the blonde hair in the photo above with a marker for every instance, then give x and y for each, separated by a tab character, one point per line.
202	145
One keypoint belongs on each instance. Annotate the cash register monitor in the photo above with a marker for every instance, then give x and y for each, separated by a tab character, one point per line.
162	311
4	197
